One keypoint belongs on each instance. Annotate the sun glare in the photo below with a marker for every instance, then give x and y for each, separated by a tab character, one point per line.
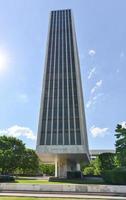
3	61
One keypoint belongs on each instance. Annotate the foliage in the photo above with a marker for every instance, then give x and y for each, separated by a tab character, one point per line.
107	161
89	171
121	144
104	161
48	169
16	158
11	152
115	176
93	168
30	162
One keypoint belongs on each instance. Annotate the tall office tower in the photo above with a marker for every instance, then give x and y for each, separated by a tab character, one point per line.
62	136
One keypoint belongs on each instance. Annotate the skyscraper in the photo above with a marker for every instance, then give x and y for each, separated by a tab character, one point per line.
62	136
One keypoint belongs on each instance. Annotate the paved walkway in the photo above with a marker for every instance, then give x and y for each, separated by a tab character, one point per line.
63	195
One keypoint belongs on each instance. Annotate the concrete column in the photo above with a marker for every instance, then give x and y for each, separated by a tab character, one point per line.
78	166
56	167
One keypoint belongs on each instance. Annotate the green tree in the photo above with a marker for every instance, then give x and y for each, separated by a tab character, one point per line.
121	144
11	152
48	169
93	168
30	162
107	161
104	161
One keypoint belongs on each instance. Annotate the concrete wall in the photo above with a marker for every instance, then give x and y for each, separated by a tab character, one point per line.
63	188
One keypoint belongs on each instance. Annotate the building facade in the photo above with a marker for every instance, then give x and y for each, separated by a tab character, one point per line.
62	135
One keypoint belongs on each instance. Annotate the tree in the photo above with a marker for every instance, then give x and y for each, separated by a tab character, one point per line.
30	162
11	152
104	161
107	161
48	169
121	144
93	168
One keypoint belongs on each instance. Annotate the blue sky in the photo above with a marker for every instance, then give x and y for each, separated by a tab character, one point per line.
101	37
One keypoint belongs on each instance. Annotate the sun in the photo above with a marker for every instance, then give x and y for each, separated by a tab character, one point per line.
3	61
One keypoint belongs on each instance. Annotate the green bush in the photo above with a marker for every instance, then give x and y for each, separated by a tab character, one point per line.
107	176
89	171
115	176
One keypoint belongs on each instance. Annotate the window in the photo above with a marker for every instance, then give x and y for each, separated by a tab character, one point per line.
49	126
54	139
60	124
43	125
77	123
72	123
65	113
78	136
60	112
48	139
66	138
72	137
54	124
42	140
60	138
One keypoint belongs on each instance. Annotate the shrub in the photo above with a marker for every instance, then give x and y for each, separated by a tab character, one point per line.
89	171
6	178
106	175
115	176
74	174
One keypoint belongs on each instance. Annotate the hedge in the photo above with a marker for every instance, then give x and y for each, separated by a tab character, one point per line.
115	176
7	178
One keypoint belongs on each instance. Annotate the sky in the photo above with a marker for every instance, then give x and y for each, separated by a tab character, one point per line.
101	38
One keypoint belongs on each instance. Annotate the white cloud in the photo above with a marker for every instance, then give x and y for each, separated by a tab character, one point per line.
18	131
123	124
97	131
97	96
93	100
91	72
93	89
88	104
92	52
23	98
97	85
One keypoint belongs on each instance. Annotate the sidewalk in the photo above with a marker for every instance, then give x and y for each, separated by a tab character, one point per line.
63	195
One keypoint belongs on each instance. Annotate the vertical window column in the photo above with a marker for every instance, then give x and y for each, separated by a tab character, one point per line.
55	106
72	135
44	112
60	125
67	72
75	96
49	100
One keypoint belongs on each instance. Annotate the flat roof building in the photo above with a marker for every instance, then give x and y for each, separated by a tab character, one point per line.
62	134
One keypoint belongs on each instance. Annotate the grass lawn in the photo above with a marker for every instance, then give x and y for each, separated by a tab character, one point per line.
35	181
85	181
